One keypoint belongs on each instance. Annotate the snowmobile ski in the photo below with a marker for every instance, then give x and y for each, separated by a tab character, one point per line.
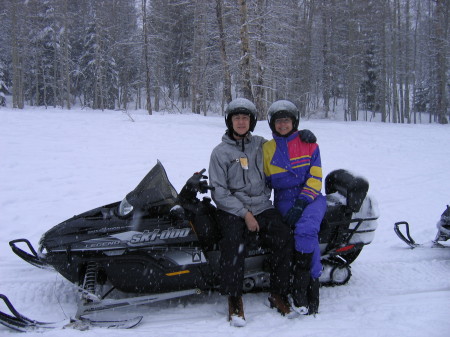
32	258
108	304
406	238
18	322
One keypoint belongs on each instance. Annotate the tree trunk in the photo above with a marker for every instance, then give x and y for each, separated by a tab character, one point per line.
417	20
407	63
352	95
66	62
244	64
146	58
383	71
260	56
326	73
394	66
440	31
223	53
17	57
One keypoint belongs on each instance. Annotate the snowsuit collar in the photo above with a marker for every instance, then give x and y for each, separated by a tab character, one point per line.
281	156
241	142
287	139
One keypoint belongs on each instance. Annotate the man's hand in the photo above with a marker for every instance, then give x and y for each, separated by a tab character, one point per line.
250	221
307	136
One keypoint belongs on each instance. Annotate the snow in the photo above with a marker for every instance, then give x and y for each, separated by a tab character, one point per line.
56	163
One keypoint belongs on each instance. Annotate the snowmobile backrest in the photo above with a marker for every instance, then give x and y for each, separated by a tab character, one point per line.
352	187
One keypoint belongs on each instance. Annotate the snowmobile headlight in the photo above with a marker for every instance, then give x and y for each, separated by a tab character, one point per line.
125	207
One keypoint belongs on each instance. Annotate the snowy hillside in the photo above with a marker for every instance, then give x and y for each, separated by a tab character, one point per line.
55	164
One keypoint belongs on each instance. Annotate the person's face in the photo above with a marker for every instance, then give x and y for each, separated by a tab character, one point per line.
283	126
241	123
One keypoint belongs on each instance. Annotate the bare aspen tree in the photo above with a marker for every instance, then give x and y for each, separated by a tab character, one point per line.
98	92
223	53
326	49
382	92
65	88
407	47
245	63
308	82
300	55
352	78
55	73
17	11
401	65
198	80
394	56
146	57
441	45
260	58
414	68
195	87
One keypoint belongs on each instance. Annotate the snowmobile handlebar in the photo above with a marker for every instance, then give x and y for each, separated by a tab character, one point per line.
195	184
198	182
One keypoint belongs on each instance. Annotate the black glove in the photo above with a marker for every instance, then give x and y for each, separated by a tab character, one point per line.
307	136
196	184
296	211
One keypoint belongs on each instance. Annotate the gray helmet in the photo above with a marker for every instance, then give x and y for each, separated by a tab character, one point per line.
283	109
240	106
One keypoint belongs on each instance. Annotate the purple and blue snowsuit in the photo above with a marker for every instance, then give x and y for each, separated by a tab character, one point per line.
293	169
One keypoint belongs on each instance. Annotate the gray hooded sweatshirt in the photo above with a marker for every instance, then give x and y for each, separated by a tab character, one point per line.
239	187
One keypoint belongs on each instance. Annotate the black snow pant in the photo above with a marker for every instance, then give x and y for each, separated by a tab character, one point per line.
305	289
273	234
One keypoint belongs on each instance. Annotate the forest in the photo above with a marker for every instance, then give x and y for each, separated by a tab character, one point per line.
377	58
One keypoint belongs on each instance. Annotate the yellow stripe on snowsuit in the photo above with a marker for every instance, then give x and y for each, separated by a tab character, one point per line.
316	171
314	184
269	149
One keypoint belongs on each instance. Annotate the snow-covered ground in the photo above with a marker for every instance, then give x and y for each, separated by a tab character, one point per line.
55	164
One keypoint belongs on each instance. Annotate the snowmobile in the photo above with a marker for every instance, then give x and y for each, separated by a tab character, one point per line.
443	234
157	244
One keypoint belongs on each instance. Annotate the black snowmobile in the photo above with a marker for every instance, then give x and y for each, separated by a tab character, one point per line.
160	245
443	233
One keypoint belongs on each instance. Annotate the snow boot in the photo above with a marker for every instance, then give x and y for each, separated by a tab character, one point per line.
299	309
300	282
281	303
236	311
313	296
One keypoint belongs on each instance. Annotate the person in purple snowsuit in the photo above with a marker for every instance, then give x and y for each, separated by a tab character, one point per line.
293	169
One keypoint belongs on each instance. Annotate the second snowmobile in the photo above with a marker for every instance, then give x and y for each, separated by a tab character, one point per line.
158	244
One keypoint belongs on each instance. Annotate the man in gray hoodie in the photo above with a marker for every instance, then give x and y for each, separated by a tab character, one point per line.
245	212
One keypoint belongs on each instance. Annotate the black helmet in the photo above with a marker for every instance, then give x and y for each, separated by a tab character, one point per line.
240	106
283	109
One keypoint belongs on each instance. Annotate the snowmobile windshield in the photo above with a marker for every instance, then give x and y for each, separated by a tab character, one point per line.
154	190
